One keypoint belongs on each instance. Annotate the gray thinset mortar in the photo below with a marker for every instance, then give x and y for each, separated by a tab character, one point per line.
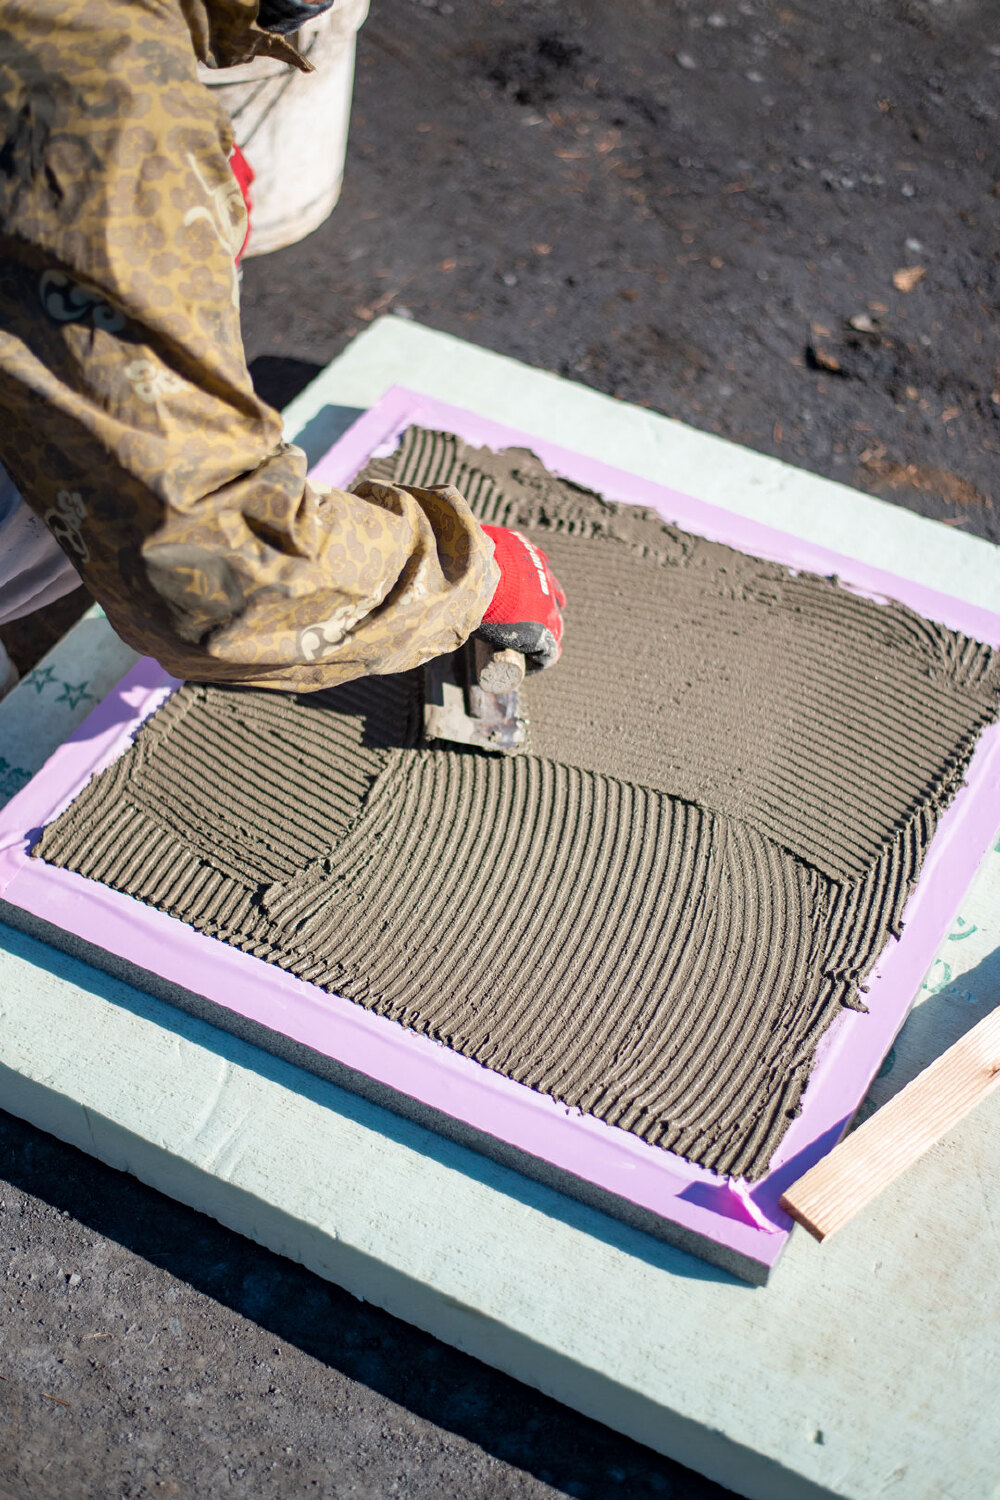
655	914
739	1263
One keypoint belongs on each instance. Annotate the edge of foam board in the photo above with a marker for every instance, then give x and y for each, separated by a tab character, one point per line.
779	1396
237	1136
742	1229
730	1257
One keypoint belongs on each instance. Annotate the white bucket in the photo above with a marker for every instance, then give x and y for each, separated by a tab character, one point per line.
292	126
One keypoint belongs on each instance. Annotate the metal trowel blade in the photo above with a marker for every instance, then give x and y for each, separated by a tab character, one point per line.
457	709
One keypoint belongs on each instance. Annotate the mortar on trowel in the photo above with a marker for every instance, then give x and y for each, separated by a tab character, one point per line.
473	697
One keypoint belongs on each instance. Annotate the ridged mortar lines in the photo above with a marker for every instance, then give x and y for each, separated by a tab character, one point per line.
789	727
584	959
738	685
245	820
655	915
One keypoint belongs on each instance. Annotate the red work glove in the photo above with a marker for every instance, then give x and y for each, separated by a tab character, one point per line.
243	172
526	611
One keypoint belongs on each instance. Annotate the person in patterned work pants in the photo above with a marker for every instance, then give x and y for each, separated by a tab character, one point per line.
128	420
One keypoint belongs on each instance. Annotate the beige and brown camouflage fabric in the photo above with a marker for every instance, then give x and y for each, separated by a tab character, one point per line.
127	415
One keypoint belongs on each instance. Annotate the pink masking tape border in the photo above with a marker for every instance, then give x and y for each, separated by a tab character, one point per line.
740	1218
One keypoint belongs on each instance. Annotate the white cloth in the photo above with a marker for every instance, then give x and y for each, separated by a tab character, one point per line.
34	570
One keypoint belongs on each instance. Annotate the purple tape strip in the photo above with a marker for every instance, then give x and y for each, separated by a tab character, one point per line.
744	1220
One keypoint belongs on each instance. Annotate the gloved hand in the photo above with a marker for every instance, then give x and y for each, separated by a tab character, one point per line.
526	611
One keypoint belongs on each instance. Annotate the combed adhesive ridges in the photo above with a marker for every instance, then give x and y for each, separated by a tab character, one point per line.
655	914
781	699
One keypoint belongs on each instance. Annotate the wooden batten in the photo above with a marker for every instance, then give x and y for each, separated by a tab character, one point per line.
899	1133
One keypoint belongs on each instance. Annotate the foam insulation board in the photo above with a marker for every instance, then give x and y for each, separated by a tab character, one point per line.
858	1371
732	1222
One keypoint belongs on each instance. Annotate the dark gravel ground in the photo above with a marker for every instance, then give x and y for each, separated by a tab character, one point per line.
712	209
776	222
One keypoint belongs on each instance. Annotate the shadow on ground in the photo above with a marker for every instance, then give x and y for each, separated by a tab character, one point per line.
278	379
210	1274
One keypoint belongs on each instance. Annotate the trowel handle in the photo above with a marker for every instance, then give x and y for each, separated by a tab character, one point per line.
498	671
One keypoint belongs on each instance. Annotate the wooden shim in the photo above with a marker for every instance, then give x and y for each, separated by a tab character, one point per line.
899	1133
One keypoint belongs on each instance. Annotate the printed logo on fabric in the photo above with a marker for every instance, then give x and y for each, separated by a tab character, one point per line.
318	640
150	380
225	214
68	301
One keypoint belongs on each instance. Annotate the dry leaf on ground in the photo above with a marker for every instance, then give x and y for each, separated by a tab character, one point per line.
906	278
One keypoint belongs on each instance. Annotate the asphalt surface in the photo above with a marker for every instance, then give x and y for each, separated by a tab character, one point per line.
776	222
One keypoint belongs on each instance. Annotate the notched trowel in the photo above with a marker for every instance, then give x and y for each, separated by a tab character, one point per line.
473	697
